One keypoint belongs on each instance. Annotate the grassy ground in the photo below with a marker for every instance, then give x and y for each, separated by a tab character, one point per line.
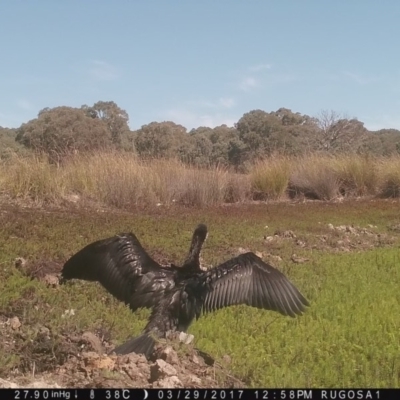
349	337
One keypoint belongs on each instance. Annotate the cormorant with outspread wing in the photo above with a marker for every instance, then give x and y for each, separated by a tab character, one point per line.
178	295
124	268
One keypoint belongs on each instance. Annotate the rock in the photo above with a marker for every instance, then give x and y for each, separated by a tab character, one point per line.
275	258
93	360
285	234
298	260
259	254
182	337
15	323
185	338
44	332
242	250
43	385
161	369
39	384
51	280
196	360
330	226
68	313
395	227
73	198
169	355
93	340
4	384
169	382
351	230
195	380
20	262
134	365
133	371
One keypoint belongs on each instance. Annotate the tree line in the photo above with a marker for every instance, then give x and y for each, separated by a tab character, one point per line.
63	130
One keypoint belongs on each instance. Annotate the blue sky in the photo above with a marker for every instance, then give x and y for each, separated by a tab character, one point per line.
202	63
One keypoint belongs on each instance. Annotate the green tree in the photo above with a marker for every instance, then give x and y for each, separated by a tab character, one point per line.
62	130
227	146
161	139
198	149
257	130
115	119
296	134
223	146
8	144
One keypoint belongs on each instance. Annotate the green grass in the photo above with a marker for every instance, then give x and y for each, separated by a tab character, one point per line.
348	338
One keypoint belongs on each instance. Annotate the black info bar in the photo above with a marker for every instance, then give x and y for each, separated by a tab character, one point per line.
199	394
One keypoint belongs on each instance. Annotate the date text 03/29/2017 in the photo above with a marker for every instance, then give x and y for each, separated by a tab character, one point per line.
198	394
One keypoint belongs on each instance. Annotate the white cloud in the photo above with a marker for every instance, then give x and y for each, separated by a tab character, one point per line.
355	77
248	83
259	67
226	102
281	78
190	119
103	71
340	75
24	104
222	102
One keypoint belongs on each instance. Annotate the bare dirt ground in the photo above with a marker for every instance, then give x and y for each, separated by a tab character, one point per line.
80	359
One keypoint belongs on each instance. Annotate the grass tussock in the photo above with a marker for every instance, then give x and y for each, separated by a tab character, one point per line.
357	176
389	172
315	177
122	180
32	177
270	178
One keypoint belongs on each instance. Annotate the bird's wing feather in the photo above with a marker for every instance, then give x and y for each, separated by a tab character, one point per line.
247	279
123	267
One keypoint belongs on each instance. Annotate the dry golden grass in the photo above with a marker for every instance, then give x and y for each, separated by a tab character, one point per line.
315	176
122	180
270	177
357	175
389	176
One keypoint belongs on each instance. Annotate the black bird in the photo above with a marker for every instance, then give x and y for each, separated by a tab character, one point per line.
175	294
124	268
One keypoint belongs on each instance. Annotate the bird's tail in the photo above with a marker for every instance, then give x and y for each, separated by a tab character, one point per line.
143	344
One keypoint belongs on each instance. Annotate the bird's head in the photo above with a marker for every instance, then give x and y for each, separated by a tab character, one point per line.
200	233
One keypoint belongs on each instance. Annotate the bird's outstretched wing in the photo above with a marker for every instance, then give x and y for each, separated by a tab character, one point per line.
247	279
124	268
